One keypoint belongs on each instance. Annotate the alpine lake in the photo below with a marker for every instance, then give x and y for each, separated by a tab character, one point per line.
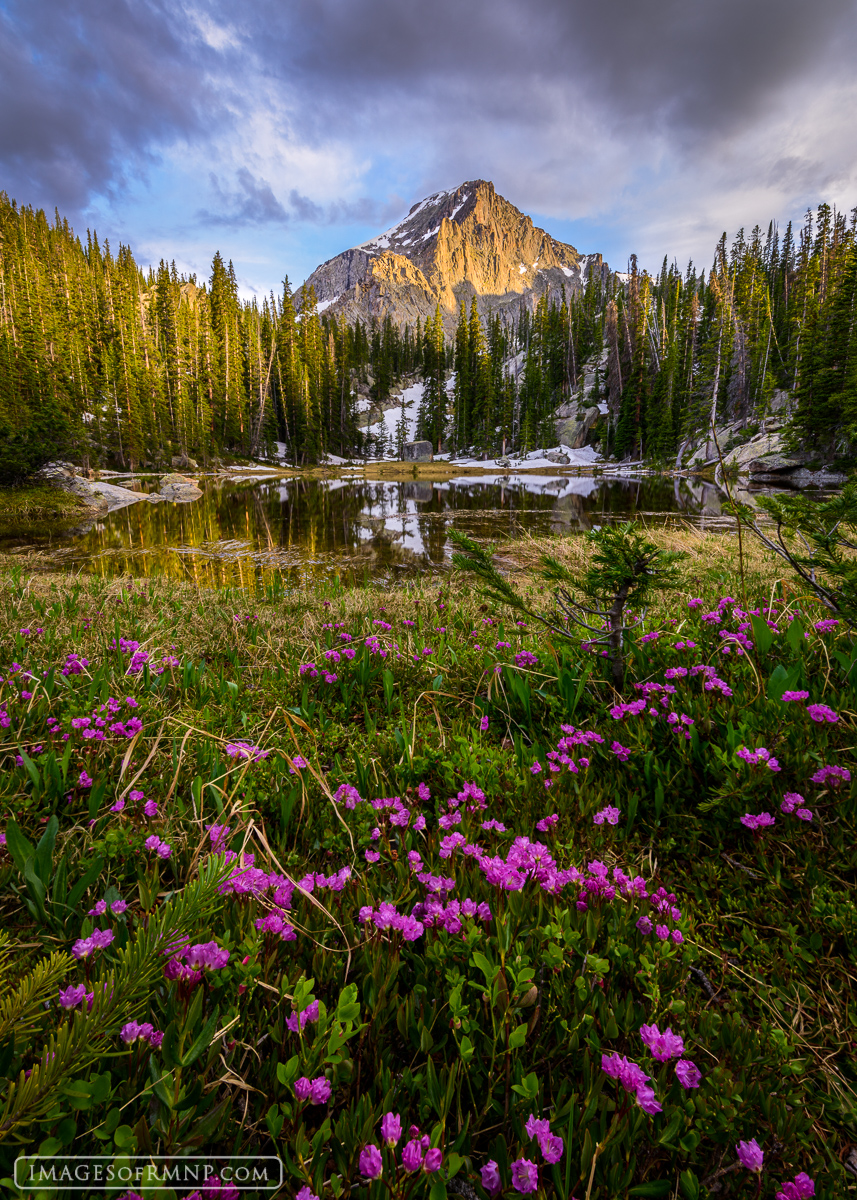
251	527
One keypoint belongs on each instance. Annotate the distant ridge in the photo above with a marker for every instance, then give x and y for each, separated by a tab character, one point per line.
450	247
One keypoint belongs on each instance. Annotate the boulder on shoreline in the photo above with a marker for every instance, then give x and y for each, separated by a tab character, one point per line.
100	496
179	488
417	452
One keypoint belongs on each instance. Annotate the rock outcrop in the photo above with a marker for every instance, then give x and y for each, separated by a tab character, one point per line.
572	430
450	247
179	489
100	496
417	452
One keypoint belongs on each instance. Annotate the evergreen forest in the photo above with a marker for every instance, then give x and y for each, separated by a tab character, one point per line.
108	364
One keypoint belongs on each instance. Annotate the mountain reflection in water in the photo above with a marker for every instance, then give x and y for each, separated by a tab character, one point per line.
241	533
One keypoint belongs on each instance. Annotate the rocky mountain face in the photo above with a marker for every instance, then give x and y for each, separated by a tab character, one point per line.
450	247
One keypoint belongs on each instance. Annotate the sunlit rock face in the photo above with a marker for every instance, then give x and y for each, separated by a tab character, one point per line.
450	247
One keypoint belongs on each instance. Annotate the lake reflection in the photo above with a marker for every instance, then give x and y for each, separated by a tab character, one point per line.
298	528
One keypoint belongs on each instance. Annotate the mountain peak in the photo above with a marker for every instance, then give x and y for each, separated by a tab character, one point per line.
451	246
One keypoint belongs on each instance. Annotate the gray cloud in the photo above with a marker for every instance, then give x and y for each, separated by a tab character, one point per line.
660	117
685	64
89	89
254	203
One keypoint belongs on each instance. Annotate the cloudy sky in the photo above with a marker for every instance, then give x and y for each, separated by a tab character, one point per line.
283	131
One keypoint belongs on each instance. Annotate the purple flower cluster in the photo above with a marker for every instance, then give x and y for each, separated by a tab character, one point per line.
101	906
633	1078
610	814
308	1016
821	713
275	922
417	1153
146	1032
74	665
72	996
801	1187
99	939
162	849
631	709
387	916
550	1144
751	1155
349	794
214	1189
244	750
663	1046
544	825
758	821
188	963
758	757
831	776
793	802
316	1091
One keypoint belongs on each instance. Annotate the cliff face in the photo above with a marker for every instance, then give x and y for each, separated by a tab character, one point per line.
450	247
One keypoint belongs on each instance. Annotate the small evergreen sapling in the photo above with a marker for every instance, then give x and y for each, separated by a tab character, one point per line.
818	539
625	570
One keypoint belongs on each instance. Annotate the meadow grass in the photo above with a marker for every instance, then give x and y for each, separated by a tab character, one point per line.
417	861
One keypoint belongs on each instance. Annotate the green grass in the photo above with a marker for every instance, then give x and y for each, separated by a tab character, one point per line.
39	502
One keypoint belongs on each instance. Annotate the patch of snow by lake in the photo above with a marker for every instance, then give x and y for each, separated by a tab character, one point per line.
557	486
411	397
538	460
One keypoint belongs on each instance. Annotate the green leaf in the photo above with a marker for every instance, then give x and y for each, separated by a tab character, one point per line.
203	1041
794	635
518	1037
438	1189
124	1137
658	1187
485	966
288	1072
45	851
18	846
671	1129
36	888
783	680
31	768
762	635
689	1185
81	886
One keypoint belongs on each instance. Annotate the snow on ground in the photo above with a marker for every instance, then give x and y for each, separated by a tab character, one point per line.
536	459
412	397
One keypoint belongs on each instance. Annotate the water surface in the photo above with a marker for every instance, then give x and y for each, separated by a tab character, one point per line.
300	528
